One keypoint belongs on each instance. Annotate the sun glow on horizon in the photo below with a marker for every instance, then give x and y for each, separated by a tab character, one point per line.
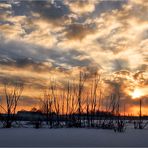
136	93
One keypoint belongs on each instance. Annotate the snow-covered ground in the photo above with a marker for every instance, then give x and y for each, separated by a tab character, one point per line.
72	137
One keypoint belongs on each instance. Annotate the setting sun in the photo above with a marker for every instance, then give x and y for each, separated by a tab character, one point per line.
136	93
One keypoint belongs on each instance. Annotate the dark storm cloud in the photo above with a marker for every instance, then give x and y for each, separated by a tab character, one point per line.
57	12
25	63
69	58
47	10
21	8
24	55
108	5
50	11
5	11
17	49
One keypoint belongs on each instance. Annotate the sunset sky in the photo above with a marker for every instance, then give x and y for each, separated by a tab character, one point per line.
56	38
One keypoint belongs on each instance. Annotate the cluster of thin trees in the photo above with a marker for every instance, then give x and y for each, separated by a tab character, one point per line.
81	102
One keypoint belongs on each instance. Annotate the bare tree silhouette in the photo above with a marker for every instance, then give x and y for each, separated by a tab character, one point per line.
12	94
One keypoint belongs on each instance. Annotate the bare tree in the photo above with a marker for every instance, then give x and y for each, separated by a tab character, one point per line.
82	80
55	93
88	109
94	95
47	106
115	101
12	94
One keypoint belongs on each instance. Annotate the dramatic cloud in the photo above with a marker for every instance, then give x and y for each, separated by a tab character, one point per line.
42	39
